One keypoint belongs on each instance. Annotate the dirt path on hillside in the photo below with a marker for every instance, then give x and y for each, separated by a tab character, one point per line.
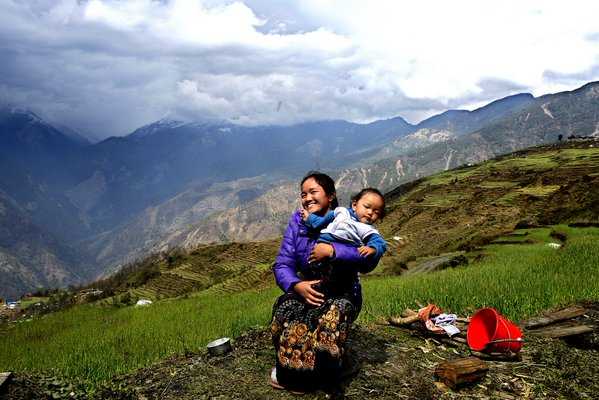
394	363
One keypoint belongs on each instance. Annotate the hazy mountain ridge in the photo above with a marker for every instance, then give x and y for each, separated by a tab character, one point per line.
527	125
462	121
159	187
36	164
159	227
31	257
117	199
152	168
576	114
451	124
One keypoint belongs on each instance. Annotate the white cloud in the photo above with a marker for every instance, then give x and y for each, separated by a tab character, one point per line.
443	49
109	66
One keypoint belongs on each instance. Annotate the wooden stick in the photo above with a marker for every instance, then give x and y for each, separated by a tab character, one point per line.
408	312
561	315
453	342
497	356
399	321
562	330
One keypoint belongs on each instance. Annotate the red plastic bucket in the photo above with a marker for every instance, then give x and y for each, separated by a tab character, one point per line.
491	332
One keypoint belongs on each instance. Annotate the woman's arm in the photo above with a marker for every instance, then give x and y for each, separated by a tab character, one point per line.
346	254
284	267
349	254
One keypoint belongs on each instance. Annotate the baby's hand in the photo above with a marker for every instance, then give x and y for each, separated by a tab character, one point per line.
366	251
305	214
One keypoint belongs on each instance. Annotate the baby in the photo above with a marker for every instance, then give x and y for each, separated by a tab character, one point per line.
353	225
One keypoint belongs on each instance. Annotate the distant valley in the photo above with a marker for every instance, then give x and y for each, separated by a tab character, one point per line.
71	211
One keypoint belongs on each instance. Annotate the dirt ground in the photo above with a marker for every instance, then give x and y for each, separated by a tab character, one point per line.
394	363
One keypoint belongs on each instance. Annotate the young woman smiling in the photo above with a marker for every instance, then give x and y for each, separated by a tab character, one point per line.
309	328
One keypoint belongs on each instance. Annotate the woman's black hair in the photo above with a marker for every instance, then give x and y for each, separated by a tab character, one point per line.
364	191
326	182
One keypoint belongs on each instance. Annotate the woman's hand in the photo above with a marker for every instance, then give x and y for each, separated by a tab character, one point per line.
312	296
366	251
304	214
321	251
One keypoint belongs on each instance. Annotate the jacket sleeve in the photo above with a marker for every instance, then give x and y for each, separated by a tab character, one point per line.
377	242
317	222
284	268
348	254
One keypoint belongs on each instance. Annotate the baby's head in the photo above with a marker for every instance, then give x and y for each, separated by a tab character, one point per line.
369	205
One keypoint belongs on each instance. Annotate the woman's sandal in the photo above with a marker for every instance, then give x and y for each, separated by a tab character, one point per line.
275	384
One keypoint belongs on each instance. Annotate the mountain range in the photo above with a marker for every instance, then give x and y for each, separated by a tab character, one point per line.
71	211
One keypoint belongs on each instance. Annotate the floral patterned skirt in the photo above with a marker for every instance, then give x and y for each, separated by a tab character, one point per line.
310	341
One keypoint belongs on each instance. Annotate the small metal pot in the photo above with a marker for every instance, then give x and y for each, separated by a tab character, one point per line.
219	347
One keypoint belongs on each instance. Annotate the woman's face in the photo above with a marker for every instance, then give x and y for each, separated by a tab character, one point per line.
314	199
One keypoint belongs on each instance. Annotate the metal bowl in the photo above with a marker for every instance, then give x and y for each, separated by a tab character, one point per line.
219	346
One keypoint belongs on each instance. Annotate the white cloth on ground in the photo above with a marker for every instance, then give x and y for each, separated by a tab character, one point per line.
446	322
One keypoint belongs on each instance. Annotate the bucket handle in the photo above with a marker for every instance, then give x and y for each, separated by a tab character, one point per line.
504	341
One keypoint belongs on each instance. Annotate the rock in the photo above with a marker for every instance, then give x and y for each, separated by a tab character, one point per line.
5	378
461	372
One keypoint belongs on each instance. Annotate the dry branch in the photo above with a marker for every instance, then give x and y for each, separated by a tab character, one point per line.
557	316
563	330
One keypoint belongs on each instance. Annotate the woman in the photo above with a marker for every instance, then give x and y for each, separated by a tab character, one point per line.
311	320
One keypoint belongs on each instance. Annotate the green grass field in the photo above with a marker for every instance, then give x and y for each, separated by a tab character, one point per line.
95	343
520	280
28	301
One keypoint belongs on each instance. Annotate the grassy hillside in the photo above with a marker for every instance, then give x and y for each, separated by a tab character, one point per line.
469	206
224	268
95	343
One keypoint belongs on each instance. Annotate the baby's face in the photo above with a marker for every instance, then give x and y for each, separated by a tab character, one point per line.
368	208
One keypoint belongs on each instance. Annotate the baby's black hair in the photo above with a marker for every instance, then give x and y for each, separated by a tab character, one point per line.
327	183
364	191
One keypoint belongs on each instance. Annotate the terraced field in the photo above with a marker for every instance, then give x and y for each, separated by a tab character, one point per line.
222	268
469	206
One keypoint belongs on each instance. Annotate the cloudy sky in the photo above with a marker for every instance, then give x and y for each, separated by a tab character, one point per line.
106	67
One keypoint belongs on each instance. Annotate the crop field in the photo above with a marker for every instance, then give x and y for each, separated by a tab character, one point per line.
29	301
518	279
537	162
471	205
95	343
227	267
570	159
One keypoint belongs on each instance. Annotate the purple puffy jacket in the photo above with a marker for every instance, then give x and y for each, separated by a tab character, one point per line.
295	250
